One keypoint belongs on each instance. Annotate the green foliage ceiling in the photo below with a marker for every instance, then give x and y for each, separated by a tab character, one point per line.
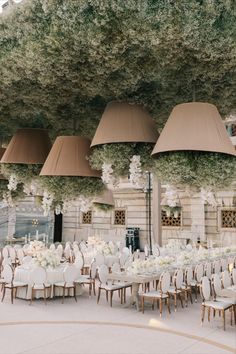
61	61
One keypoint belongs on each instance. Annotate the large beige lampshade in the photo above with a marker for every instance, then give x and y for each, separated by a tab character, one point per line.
69	157
106	197
28	146
124	122
194	126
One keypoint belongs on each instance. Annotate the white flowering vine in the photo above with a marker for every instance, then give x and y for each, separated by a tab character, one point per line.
107	173
12	183
208	197
47	202
85	204
137	177
8	200
171	196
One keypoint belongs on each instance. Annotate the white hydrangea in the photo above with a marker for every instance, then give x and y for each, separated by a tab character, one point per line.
107	173
171	196
208	197
85	204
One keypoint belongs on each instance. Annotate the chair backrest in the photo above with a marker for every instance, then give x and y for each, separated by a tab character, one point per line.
217	266
164	282
230	261
226	279
79	262
100	259
205	289
60	247
26	259
234	276
12	254
67	252
5	252
178	279
188	275
198	272
224	264
146	250
208	269
83	247
103	273
125	250
7	273
6	260
136	255
216	284
156	250
93	270
115	267
52	247
20	255
123	259
38	276
70	274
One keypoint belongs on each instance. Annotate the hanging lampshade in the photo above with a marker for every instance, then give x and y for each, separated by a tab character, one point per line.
69	157
194	126
28	146
106	197
124	122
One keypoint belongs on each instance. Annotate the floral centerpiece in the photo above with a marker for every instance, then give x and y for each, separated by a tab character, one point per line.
185	258
10	197
47	258
35	247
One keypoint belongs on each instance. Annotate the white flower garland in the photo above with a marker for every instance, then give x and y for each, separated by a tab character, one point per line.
137	177
208	197
12	183
7	199
171	196
47	202
85	204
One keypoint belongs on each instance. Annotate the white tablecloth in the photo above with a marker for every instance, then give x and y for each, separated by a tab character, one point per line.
22	273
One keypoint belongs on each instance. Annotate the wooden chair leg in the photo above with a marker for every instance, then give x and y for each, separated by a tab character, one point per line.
12	295
107	295
168	304
223	314
209	314
75	292
4	292
32	296
203	313
181	301
175	302
111	295
142	303
99	293
63	295
160	306
94	291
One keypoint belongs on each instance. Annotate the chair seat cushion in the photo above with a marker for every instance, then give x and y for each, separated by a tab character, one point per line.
229	300
110	286
18	283
63	284
172	290
41	286
218	305
123	283
155	294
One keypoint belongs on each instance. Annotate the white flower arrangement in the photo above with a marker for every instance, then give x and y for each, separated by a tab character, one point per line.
47	258
85	204
35	247
185	258
107	173
208	197
164	261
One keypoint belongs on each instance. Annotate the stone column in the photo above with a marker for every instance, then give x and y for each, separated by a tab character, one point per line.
156	212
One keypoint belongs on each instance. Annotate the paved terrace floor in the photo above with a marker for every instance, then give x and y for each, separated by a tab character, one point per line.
87	328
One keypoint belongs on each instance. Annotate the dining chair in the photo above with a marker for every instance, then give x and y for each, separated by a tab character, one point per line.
187	284
107	286
224	264
226	279
217	266
208	269
10	283
158	295
70	274
176	289
198	274
38	279
234	276
85	279
208	303
20	255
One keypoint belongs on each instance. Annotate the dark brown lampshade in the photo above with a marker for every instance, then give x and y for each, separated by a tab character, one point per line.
106	197
194	126
28	146
69	157
123	123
